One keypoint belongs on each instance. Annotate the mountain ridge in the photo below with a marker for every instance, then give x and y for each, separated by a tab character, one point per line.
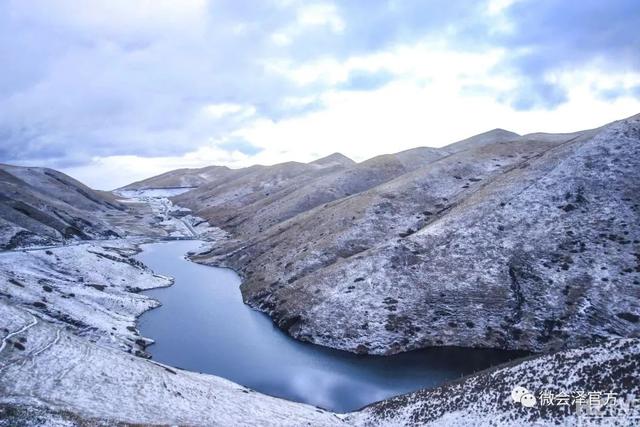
416	239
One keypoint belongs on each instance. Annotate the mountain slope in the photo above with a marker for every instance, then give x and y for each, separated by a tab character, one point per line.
244	187
310	188
180	178
485	398
477	141
216	175
39	205
523	242
335	159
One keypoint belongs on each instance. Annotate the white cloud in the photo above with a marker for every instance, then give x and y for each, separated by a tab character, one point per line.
427	105
139	87
281	38
115	18
321	14
218	111
495	7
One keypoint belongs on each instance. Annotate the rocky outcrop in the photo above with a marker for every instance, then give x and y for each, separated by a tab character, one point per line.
518	242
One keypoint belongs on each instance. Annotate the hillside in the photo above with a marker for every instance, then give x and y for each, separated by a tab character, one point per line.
39	205
180	178
242	207
520	243
485	398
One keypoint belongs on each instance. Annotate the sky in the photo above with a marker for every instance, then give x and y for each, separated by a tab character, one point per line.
115	91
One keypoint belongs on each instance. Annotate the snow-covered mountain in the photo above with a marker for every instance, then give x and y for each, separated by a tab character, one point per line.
519	242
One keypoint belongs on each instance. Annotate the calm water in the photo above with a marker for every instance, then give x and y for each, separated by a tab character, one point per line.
204	326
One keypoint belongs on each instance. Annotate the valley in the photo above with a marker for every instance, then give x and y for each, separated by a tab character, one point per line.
500	241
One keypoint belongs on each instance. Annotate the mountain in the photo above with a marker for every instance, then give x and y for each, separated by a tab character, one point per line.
180	178
335	159
223	201
191	178
257	209
39	205
520	242
254	210
486	138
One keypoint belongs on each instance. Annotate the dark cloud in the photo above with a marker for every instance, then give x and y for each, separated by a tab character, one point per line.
533	93
567	32
379	24
549	36
85	80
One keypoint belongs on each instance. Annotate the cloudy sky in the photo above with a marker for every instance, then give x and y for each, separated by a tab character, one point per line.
113	91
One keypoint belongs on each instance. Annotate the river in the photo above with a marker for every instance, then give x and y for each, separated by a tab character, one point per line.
204	326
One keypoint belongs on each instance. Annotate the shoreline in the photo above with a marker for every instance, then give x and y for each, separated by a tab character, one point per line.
138	241
141	413
219	263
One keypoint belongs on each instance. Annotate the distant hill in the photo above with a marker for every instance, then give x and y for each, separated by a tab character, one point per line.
186	178
335	159
477	141
180	178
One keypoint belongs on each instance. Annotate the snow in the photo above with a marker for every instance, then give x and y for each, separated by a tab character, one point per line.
60	370
69	342
87	286
485	398
153	192
178	222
